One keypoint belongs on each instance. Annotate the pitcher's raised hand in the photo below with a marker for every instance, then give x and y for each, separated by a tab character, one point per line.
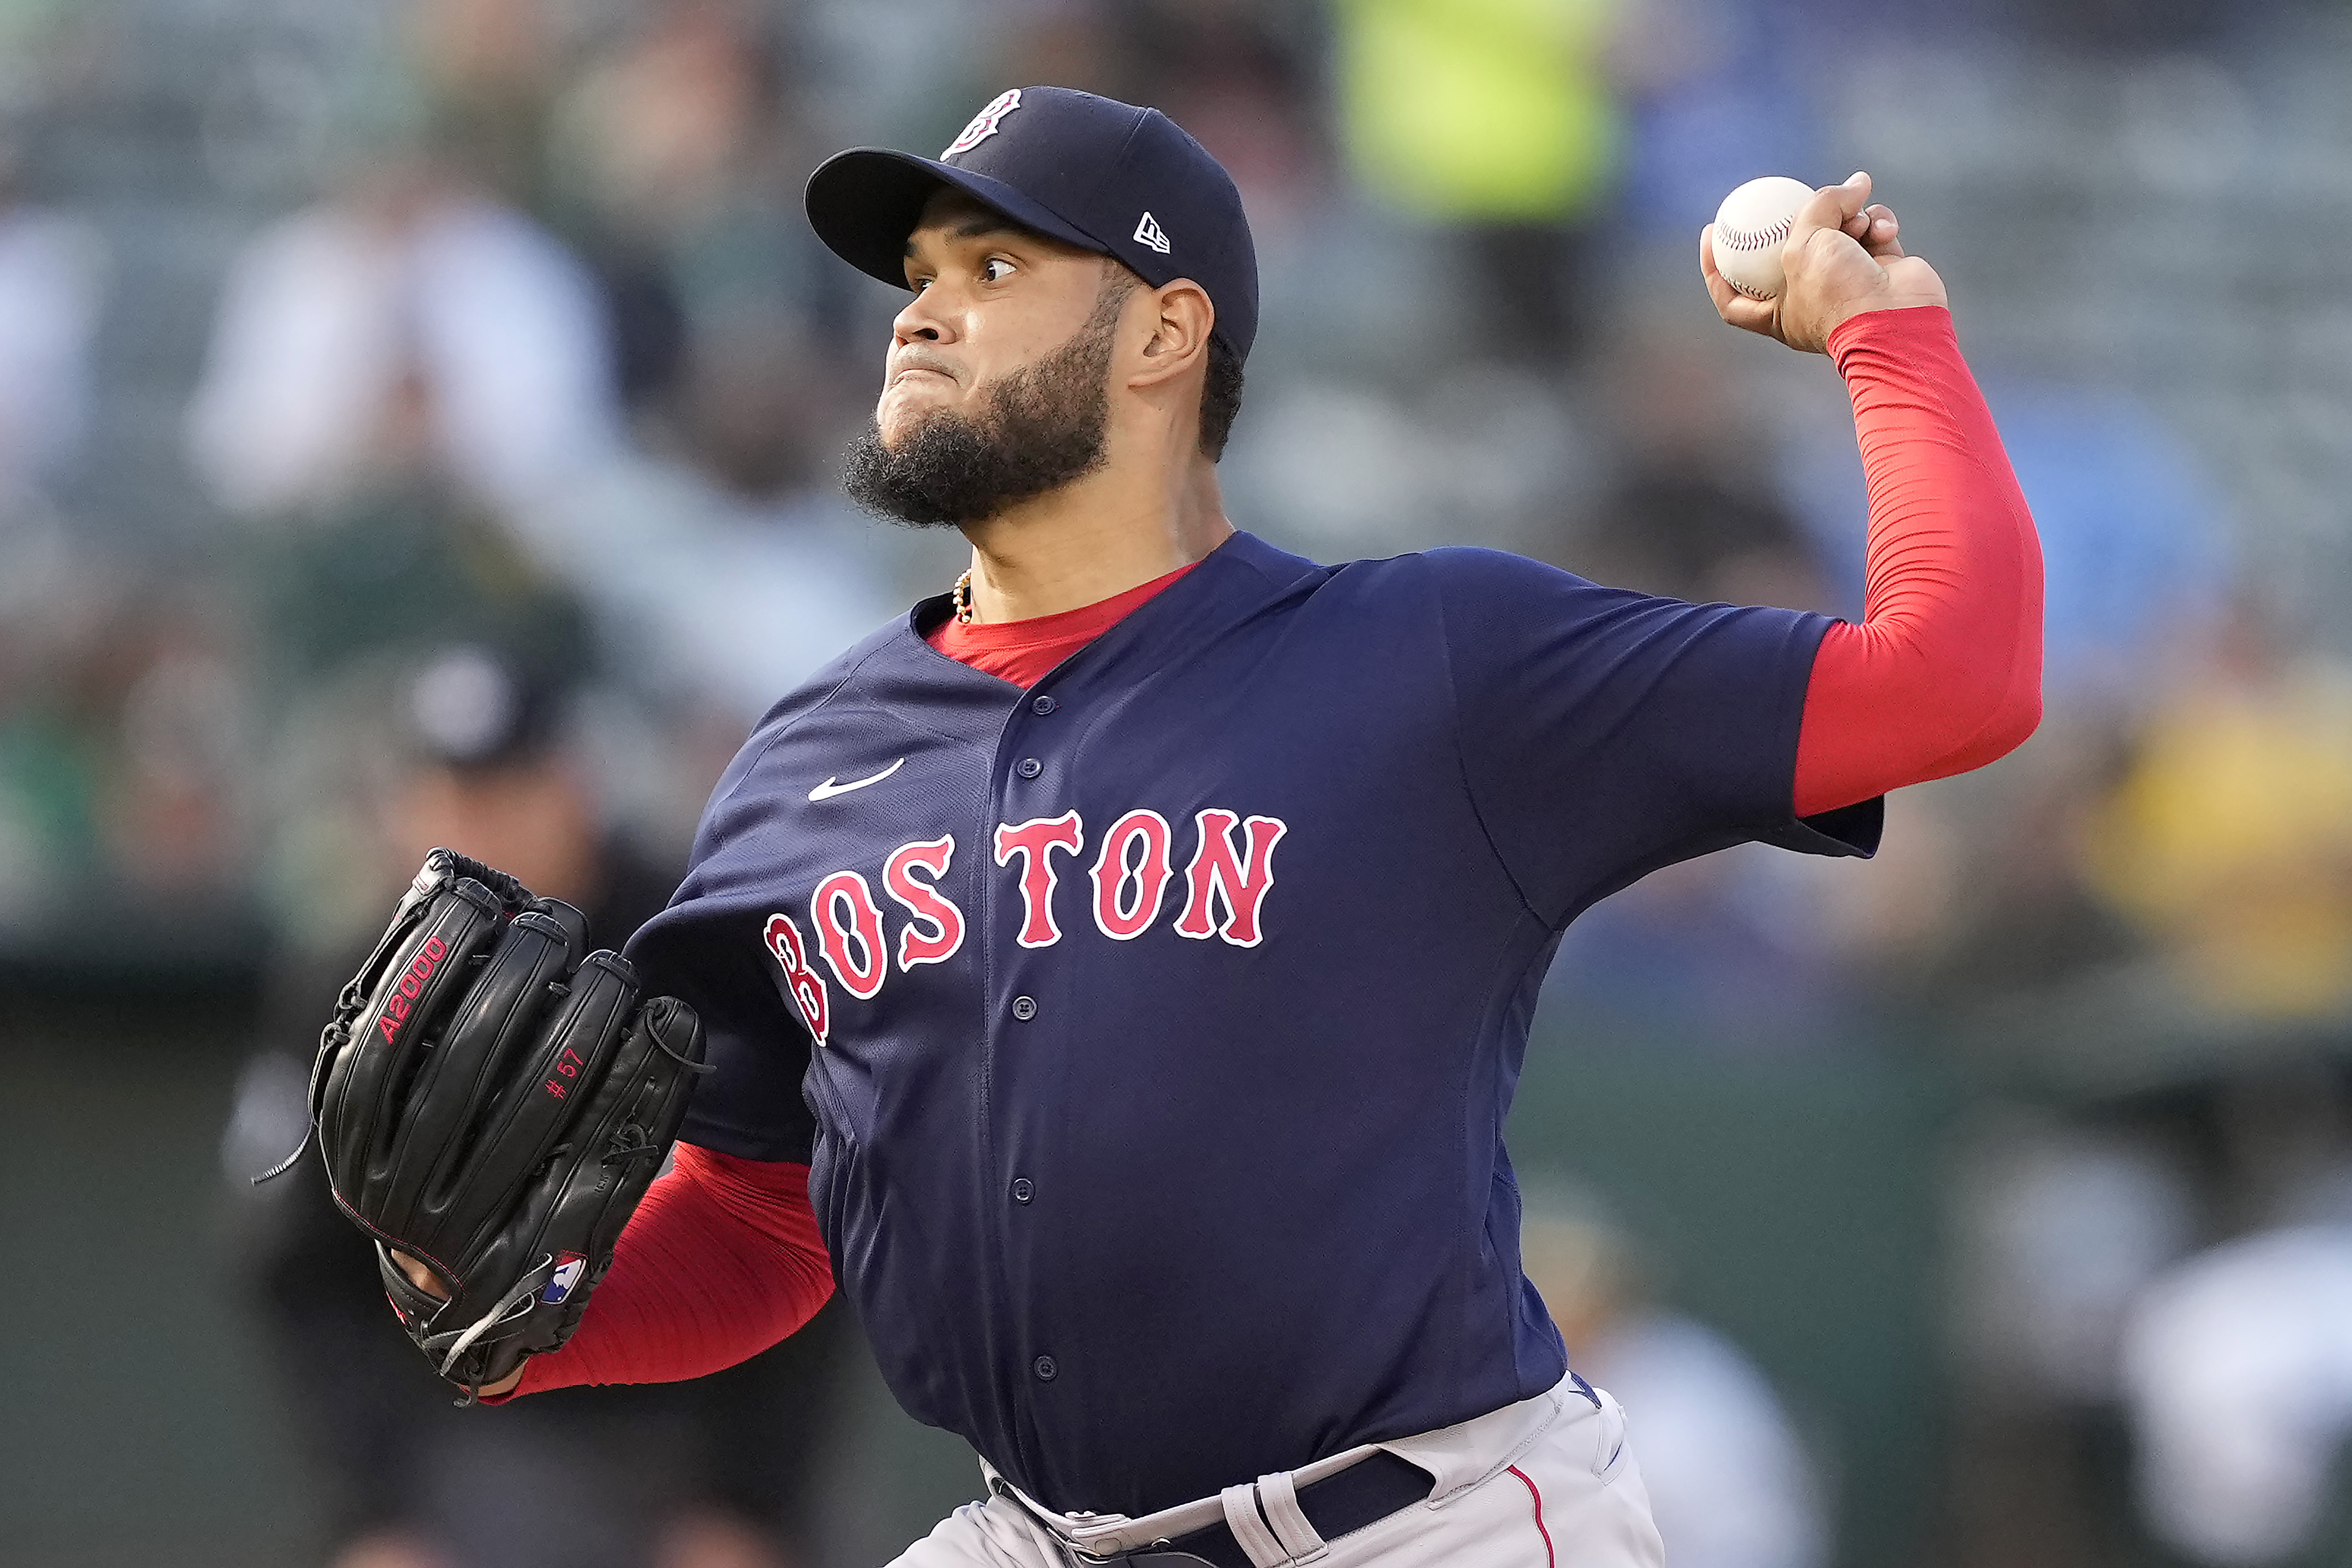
1843	256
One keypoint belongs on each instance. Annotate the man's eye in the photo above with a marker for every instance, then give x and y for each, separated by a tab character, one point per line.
995	269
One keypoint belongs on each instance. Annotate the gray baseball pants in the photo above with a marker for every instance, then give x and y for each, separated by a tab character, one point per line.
1549	1482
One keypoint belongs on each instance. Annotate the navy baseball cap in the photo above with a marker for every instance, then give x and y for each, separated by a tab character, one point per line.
1091	172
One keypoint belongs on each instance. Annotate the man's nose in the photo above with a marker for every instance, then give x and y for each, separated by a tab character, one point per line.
919	323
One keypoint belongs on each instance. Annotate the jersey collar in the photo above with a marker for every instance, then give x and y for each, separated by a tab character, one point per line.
1240	577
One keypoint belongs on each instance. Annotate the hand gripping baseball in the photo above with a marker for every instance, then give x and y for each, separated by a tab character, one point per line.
1843	257
492	1104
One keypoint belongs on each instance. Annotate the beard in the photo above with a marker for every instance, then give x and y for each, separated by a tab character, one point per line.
1042	426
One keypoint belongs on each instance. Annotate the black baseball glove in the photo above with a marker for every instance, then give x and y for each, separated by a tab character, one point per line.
493	1105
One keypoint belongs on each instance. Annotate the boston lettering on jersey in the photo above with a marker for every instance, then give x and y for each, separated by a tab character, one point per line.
1171	1009
1225	887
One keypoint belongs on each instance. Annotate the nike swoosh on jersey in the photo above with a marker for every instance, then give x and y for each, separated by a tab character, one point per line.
828	789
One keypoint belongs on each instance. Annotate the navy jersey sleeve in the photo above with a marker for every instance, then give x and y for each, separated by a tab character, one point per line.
751	1104
1605	733
706	949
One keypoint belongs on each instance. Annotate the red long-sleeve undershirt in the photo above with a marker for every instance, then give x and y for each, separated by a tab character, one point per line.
721	1260
1943	674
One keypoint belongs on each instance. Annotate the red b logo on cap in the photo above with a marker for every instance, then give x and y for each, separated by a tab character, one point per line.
984	124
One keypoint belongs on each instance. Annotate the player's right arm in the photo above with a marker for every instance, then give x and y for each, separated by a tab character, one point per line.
1655	730
1943	674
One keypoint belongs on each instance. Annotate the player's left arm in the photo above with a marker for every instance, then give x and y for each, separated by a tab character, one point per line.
1944	673
721	1260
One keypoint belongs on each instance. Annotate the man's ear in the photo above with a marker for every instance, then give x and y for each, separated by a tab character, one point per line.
1180	317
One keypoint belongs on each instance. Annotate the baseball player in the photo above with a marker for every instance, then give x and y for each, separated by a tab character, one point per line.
1116	973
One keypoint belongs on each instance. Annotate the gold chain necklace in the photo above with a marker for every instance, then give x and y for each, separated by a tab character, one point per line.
963	597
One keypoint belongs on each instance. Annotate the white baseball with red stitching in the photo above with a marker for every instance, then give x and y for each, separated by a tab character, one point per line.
1750	227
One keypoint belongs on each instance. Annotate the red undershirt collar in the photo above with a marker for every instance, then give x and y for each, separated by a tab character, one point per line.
1026	652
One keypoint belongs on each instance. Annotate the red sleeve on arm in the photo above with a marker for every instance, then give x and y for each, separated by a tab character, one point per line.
1945	671
721	1260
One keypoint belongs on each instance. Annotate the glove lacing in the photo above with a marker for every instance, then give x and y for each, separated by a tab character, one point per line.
515	1305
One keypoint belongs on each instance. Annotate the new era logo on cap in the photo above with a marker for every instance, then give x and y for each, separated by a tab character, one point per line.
1149	232
984	124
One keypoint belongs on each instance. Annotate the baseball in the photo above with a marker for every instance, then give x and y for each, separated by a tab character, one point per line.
1749	229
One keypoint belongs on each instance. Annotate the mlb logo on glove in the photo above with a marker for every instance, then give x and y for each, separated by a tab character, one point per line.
569	1267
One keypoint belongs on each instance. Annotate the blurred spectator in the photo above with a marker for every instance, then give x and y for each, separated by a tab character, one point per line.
713	598
1730	1484
51	267
2058	1228
125	726
678	154
2239	1365
54	606
410	326
712	1474
2229	838
435	385
337	598
172	806
400	569
664	126
56	594
488	70
2056	1224
419	385
1495	116
724	564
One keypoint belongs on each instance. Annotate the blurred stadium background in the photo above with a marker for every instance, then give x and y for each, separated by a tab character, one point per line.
416	419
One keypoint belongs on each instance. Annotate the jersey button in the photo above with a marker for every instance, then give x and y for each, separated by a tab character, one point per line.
1024	1190
1024	1007
1043	705
1044	1368
1030	767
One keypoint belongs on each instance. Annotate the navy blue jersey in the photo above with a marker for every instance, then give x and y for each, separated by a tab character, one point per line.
1149	1032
